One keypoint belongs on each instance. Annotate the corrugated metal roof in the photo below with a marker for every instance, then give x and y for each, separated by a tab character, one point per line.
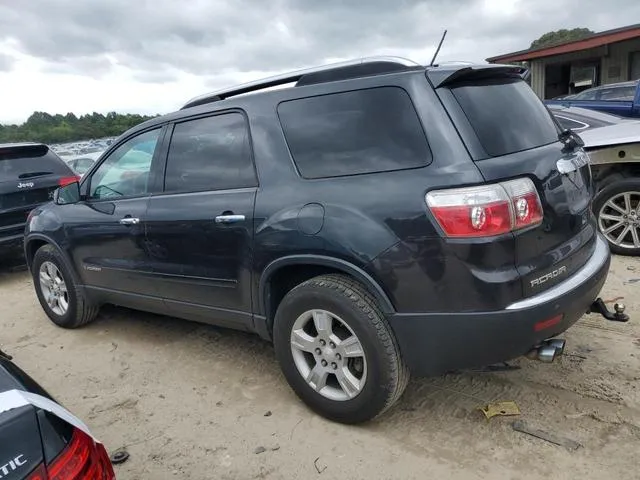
592	41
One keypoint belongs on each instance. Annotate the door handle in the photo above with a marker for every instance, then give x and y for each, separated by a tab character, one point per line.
129	221
229	218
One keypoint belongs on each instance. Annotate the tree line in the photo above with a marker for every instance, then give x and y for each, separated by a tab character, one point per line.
46	128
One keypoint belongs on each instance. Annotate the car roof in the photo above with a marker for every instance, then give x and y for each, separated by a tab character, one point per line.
439	75
631	83
586	113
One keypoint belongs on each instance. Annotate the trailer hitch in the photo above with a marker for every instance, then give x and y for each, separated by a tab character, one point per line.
598	306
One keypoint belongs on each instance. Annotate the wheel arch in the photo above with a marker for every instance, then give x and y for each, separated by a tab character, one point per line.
314	265
606	174
36	241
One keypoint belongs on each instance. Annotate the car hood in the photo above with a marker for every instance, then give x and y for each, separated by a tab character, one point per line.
620	133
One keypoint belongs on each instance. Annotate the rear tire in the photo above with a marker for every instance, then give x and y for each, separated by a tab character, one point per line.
370	376
61	299
604	208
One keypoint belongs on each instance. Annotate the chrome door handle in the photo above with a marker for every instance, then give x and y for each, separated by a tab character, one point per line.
229	218
129	221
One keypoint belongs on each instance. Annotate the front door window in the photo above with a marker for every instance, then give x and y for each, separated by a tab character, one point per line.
125	172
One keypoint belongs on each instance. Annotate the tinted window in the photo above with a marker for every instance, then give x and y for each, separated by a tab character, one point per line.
506	115
30	162
210	153
125	172
349	133
586	95
625	94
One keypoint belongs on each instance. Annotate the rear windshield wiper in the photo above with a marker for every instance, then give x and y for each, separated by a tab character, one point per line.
33	174
570	139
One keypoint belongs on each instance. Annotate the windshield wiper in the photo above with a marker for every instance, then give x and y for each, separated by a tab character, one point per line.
33	174
570	139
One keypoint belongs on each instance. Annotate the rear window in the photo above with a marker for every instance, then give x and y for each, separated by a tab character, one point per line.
618	94
29	162
506	115
351	133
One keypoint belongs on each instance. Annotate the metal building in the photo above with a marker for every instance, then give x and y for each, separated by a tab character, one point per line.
603	58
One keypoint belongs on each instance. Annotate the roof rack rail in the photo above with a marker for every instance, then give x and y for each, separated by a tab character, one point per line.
283	79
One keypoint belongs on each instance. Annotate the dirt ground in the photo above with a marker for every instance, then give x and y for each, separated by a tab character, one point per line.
197	402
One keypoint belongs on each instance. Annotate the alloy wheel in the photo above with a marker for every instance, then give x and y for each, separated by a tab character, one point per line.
619	220
328	355
54	288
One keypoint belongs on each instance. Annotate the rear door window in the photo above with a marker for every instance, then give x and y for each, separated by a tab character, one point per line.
212	153
506	115
351	133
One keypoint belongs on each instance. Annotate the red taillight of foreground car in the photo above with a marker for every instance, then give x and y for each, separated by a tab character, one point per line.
64	181
486	210
82	459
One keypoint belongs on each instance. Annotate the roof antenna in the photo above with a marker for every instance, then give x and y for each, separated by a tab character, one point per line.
438	49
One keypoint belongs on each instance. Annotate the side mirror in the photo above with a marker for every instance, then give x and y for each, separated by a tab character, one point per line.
67	194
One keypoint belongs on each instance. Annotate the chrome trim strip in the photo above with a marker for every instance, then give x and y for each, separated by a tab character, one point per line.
595	263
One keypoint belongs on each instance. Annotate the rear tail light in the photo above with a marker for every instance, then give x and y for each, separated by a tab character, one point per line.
39	473
82	459
64	181
486	210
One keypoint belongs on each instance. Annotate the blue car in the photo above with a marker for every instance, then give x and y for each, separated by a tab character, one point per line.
621	99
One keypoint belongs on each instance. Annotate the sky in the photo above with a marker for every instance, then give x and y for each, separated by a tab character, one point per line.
151	56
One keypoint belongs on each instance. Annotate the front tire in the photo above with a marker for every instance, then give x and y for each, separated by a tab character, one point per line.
617	209
337	350
61	299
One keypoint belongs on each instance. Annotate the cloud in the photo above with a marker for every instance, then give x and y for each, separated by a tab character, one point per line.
6	62
157	41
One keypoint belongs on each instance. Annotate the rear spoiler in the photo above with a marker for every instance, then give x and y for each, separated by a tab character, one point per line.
446	75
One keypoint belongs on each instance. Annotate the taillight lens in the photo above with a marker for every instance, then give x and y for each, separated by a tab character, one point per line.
64	181
486	210
82	459
39	473
527	209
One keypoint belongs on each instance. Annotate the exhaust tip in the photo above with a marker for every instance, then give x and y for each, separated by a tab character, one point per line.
558	344
547	354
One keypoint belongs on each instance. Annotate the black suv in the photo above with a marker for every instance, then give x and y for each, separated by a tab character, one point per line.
376	218
29	174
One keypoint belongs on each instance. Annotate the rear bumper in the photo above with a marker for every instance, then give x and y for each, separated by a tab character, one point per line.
433	343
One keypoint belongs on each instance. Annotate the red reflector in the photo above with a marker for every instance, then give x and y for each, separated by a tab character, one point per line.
83	459
543	325
64	181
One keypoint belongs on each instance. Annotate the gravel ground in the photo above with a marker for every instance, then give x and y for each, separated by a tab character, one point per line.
198	402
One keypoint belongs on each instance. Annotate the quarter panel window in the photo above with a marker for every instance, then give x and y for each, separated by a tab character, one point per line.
212	153
351	133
